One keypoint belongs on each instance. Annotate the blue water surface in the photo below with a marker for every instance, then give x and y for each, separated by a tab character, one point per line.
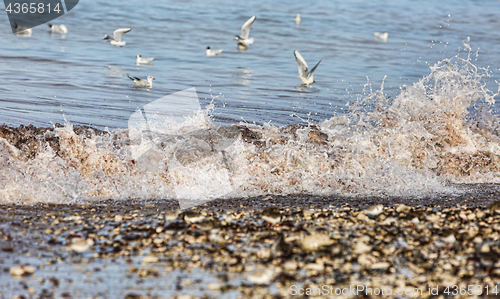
48	77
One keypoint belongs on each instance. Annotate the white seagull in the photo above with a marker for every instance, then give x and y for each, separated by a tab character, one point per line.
297	19
213	52
382	36
58	28
143	82
245	32
305	75
22	30
140	59
116	40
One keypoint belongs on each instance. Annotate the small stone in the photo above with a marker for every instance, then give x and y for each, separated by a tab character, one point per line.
317	137
471	216
495	207
142	273
261	277
150	259
366	260
447	267
402	208
80	244
433	218
271	215
29	270
361	247
290	266
450	239
485	248
193	217
315	267
21	270
172	215
214	286
346	267
363	217
374	210
389	221
118	218
264	253
477	240
380	266
416	268
316	241
17	271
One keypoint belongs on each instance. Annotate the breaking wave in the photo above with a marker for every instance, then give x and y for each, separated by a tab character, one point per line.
437	131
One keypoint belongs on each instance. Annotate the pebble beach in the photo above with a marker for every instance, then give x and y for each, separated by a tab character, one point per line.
225	249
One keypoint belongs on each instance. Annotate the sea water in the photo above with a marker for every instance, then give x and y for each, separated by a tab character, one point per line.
404	117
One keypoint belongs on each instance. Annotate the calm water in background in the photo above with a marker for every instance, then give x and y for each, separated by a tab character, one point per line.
82	78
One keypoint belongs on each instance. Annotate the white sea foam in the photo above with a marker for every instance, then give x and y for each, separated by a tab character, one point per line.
437	131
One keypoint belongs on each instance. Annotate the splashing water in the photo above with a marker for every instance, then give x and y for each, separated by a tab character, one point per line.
438	131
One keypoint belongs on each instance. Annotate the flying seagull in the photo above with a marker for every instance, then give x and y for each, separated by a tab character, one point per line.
305	75
116	40
245	32
143	82
213	52
140	59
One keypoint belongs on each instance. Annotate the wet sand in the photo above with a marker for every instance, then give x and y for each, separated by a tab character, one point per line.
229	249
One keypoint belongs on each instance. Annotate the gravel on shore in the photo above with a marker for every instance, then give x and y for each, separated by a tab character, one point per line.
226	249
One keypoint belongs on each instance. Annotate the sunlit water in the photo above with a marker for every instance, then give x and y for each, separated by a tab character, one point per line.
85	79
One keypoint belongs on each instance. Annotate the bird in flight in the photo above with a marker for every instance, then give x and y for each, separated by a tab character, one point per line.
305	75
245	32
116	40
